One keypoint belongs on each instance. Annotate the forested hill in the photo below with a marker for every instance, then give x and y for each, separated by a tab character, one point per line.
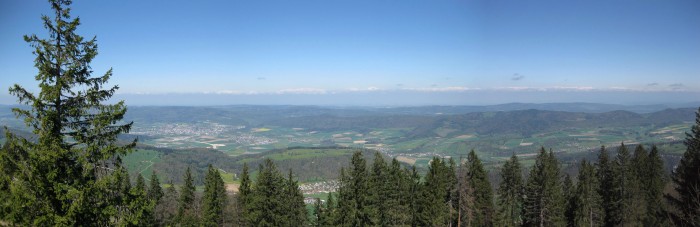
523	122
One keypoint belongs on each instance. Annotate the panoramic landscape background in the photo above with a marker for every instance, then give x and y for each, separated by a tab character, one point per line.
350	113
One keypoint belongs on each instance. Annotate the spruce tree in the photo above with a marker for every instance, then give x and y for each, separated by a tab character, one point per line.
483	194
434	203
214	199
654	182
166	208
185	212
397	202
588	209
319	217
244	197
378	191
453	192
686	181
510	194
296	213
155	191
267	206
569	200
606	178
544	203
140	208
465	195
629	204
330	211
346	201
67	168
415	197
353	193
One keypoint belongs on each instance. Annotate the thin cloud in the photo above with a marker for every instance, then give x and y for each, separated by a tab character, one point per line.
676	86
364	89
441	89
517	77
261	78
652	84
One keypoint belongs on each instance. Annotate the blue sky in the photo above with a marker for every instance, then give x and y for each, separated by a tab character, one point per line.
377	52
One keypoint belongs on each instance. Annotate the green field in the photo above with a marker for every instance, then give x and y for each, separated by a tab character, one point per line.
141	161
309	153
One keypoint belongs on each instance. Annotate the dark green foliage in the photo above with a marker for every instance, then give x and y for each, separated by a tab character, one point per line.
685	200
629	205
214	199
510	194
653	179
155	191
378	191
244	197
166	208
353	194
295	213
568	189
588	210
56	180
329	211
397	193
606	178
544	203
185	210
434	201
267	204
415	196
140	207
272	200
483	194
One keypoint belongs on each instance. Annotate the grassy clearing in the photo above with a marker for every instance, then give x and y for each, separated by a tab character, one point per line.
141	162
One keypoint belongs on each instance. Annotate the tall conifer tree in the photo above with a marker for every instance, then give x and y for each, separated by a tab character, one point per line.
185	210
296	213
267	206
569	200
244	197
686	181
66	170
398	196
606	178
588	210
653	183
544	203
629	207
510	194
155	191
434	203
214	199
378	191
483	194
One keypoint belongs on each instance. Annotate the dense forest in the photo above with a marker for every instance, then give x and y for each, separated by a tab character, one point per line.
70	173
